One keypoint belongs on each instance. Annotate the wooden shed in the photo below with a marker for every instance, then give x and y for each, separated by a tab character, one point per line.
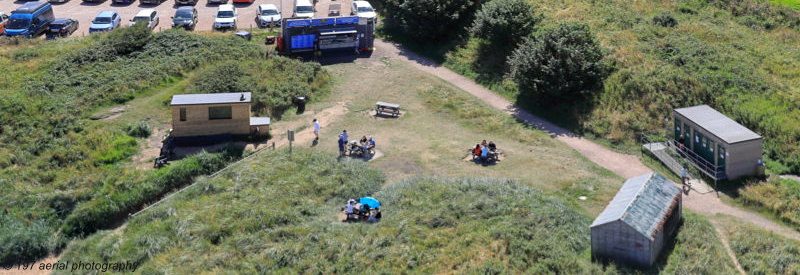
638	222
720	145
198	115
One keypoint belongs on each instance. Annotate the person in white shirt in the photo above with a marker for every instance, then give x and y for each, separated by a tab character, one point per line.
316	129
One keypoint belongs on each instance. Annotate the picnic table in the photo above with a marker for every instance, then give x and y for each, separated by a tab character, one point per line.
358	148
492	155
389	108
334	10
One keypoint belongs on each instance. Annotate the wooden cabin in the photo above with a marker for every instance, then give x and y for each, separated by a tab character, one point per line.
207	115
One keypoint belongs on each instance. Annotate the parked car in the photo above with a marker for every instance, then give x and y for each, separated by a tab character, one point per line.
185	2
151	2
185	17
303	8
266	14
225	17
123	1
243	1
30	19
217	1
3	22
57	1
106	20
62	27
362	9
146	16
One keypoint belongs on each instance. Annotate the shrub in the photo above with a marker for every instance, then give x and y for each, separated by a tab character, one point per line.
665	19
128	40
504	23
561	63
141	129
429	20
121	147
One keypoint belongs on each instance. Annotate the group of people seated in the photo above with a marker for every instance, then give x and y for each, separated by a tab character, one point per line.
361	212
484	151
363	146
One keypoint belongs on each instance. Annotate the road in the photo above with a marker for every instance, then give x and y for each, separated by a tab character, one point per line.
84	12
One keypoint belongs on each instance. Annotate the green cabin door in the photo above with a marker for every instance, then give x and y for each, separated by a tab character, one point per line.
698	146
678	129
710	155
721	156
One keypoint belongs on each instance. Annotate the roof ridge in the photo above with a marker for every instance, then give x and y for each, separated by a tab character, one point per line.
638	194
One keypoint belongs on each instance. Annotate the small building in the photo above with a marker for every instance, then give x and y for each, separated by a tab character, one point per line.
638	222
209	115
721	147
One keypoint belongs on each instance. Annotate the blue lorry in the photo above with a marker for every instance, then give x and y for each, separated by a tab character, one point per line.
30	19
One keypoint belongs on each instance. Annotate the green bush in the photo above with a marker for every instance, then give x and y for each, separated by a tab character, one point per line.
128	40
505	23
781	197
429	21
121	147
665	19
561	63
117	201
141	129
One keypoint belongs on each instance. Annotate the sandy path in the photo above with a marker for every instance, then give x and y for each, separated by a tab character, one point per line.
306	136
621	164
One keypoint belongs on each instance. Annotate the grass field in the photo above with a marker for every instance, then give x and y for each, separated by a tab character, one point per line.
527	218
761	252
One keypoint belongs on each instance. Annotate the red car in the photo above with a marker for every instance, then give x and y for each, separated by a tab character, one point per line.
243	1
3	22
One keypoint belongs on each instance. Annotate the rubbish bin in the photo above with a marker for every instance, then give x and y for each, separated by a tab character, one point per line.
300	101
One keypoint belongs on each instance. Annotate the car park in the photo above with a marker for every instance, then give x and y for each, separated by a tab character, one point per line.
146	16
267	14
303	8
61	27
30	19
225	17
106	20
185	17
362	9
3	22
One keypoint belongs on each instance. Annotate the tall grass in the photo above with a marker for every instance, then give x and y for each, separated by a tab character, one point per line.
779	196
761	252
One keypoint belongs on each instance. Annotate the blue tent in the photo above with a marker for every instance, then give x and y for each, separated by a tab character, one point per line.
372	202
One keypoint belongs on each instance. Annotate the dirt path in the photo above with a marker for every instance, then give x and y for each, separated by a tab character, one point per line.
621	164
724	239
306	136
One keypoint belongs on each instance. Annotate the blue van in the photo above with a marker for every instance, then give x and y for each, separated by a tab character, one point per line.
30	19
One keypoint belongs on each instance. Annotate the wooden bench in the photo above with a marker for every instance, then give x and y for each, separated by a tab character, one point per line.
388	108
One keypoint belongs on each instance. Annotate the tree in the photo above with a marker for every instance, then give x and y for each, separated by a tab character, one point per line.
429	20
561	63
505	23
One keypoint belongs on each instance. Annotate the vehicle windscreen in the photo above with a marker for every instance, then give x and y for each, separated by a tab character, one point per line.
269	12
18	23
183	15
102	20
365	9
304	9
141	19
225	14
56	27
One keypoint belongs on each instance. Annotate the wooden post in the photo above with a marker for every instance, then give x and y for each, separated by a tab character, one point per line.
290	136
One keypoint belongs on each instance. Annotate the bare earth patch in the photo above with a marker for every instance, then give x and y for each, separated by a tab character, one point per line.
111	113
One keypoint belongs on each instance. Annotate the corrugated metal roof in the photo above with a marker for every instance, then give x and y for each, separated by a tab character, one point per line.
643	203
718	124
220	98
257	121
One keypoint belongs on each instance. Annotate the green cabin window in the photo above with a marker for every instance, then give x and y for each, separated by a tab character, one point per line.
219	113
183	114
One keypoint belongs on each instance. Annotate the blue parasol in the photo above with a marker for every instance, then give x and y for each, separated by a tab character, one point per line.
372	202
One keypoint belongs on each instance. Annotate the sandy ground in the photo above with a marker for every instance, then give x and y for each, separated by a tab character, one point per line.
84	12
621	164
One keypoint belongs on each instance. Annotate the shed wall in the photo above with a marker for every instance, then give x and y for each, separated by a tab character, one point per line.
198	124
743	160
620	242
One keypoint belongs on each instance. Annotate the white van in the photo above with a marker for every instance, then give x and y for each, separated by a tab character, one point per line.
303	8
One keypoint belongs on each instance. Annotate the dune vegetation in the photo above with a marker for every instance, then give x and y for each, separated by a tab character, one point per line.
762	252
739	57
65	173
281	213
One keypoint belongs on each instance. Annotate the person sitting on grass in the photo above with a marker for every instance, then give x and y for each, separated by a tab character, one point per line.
375	218
483	143
492	146
349	210
477	151
371	142
363	139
